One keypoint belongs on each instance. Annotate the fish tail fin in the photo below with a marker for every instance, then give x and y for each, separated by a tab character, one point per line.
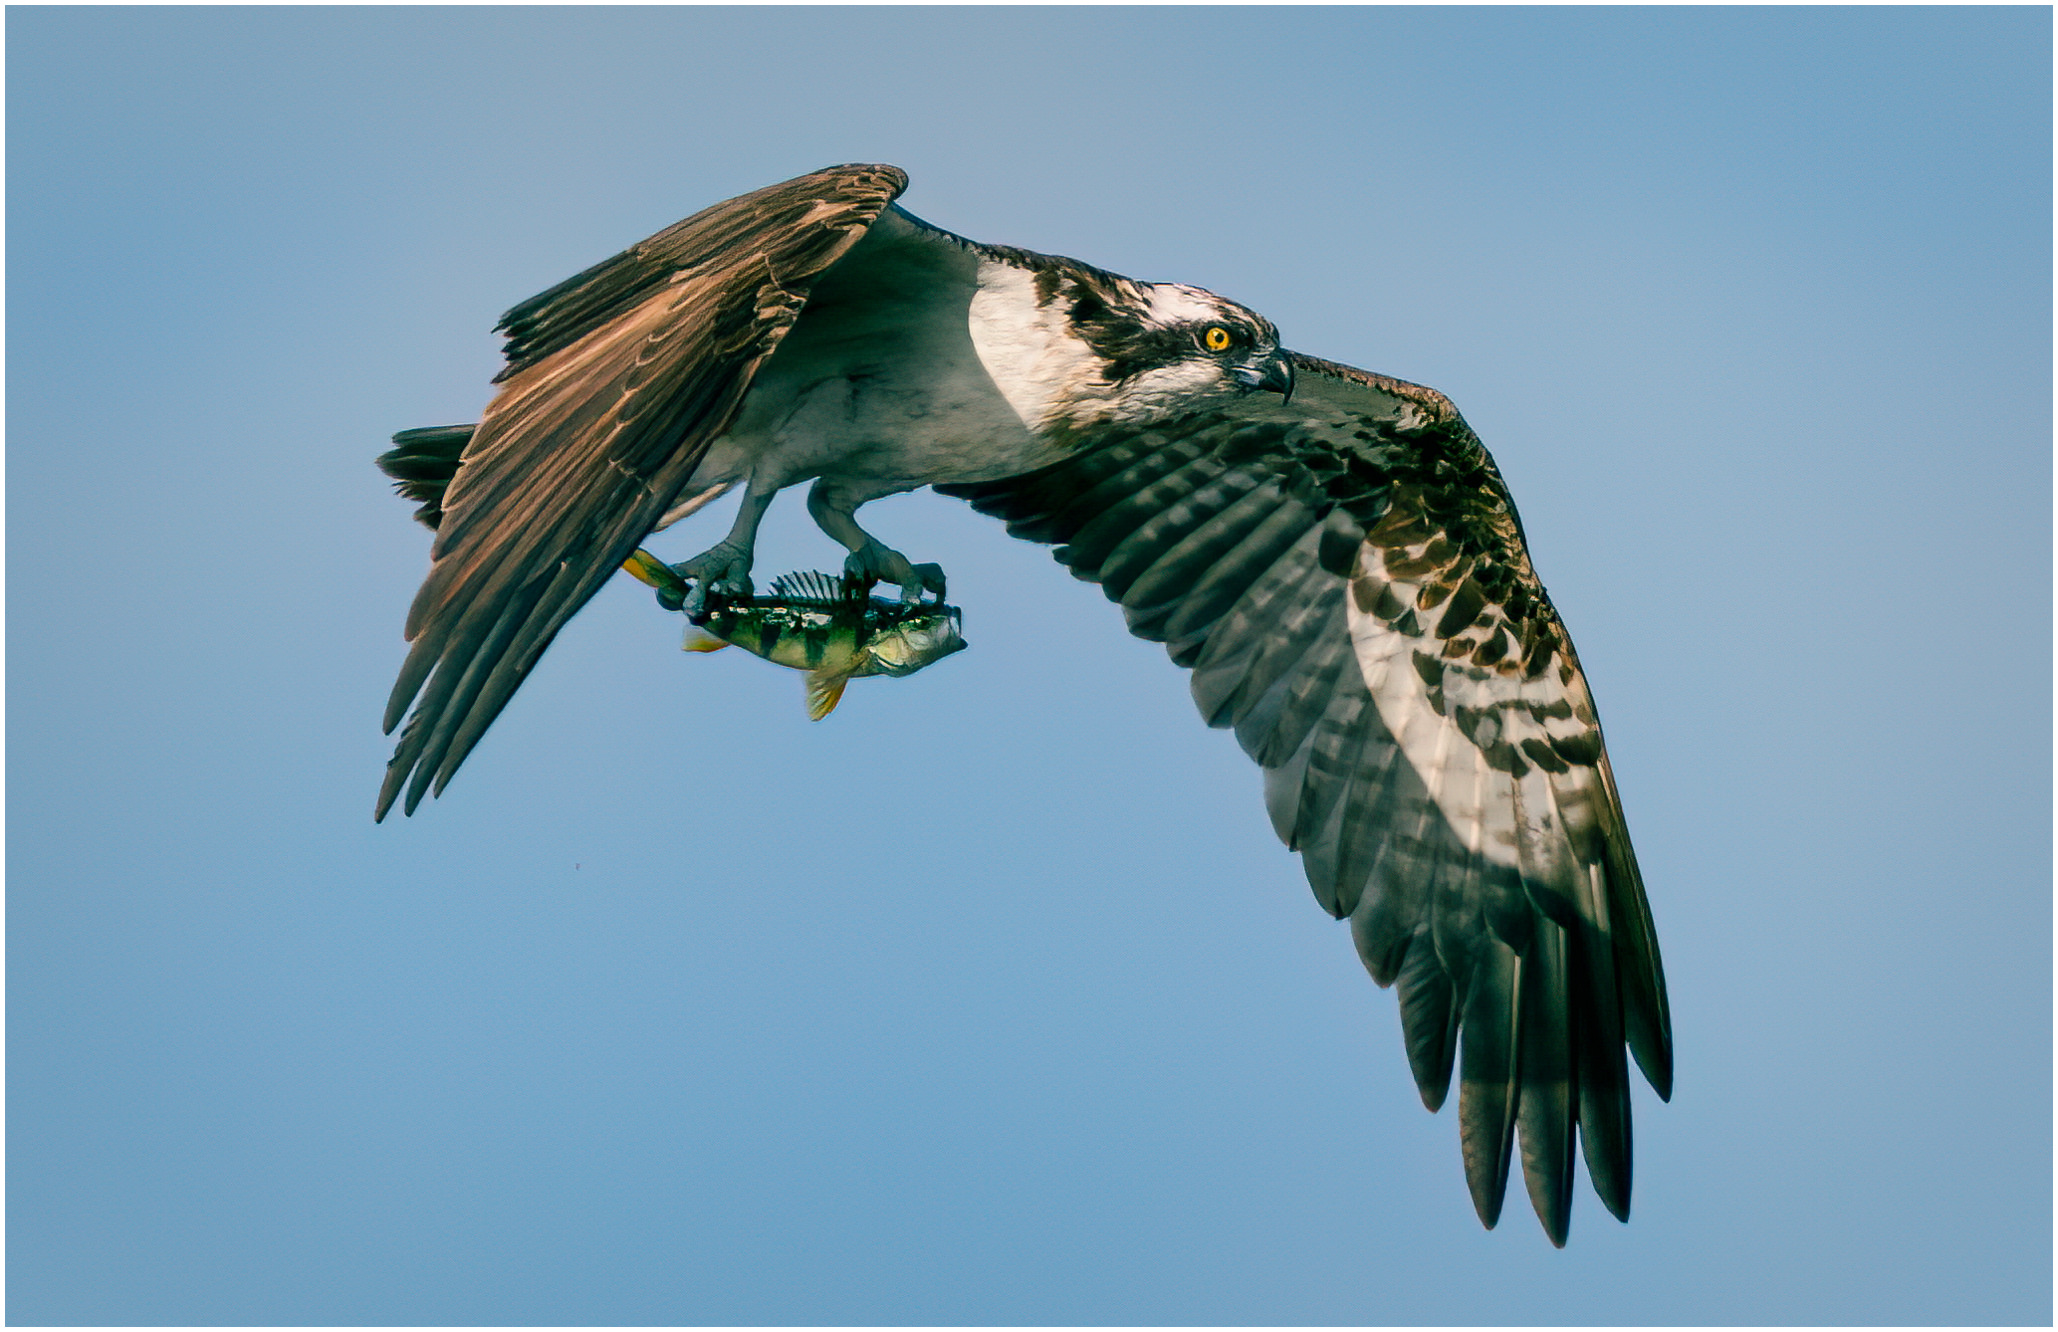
649	569
824	692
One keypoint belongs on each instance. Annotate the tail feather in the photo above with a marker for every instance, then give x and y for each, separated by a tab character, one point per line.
422	463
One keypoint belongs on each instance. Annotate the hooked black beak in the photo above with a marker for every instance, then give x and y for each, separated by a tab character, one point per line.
1278	377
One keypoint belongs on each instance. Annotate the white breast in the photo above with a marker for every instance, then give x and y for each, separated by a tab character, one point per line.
1028	349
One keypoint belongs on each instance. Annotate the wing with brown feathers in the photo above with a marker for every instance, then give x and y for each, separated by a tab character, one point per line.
1347	579
616	381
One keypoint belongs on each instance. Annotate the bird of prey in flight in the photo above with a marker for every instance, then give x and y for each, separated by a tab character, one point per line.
1331	552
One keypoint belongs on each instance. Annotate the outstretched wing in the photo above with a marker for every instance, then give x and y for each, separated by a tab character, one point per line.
1347	579
616	380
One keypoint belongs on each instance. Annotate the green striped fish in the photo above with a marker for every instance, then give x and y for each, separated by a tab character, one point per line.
825	626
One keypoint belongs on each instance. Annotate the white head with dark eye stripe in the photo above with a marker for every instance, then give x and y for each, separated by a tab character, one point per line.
1074	347
1165	349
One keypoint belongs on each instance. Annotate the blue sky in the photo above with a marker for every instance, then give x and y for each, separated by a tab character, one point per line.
992	998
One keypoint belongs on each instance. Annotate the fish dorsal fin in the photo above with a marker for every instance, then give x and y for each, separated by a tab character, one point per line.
812	585
824	692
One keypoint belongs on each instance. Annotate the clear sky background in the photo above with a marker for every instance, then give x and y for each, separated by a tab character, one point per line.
992	998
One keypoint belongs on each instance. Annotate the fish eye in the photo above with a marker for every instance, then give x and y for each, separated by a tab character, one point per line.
1216	338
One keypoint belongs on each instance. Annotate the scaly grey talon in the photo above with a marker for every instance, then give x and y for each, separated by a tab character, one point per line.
722	573
929	578
874	563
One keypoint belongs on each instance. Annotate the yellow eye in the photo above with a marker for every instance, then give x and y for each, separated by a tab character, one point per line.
1216	338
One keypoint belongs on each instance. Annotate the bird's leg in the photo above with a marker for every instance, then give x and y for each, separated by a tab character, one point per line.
724	571
870	561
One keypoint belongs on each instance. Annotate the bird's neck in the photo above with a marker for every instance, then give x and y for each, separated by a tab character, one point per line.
1048	374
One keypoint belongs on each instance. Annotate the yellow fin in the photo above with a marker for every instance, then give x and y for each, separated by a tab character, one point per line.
648	568
700	640
824	692
645	566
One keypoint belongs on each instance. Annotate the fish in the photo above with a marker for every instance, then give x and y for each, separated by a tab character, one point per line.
831	628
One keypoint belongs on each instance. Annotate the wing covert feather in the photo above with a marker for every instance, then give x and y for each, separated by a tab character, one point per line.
1348	580
616	381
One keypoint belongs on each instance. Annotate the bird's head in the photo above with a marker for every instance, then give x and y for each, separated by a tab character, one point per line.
1167	348
1098	349
1164	349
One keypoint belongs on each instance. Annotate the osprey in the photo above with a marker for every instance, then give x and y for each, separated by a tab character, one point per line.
1331	552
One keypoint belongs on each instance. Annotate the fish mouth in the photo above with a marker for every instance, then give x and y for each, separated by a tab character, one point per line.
922	655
